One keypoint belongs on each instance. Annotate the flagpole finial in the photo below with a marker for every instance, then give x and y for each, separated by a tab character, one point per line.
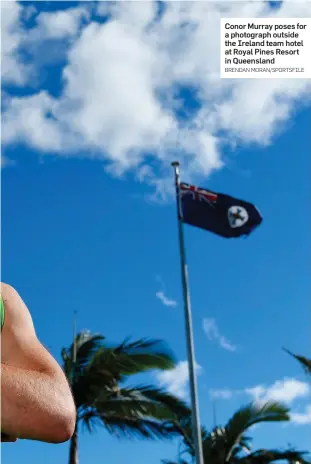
175	163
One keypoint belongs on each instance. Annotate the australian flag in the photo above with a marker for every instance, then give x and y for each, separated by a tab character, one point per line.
218	213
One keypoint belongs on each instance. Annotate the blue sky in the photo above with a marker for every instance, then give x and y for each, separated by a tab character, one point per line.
85	226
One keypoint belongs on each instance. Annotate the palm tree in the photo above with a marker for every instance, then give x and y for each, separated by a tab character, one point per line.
99	373
305	362
231	445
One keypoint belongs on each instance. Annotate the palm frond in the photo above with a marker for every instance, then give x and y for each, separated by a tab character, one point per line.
67	362
180	461
230	444
110	366
143	403
223	444
264	456
159	396
129	427
91	421
95	378
248	416
86	346
305	362
144	344
139	356
184	426
143	411
133	407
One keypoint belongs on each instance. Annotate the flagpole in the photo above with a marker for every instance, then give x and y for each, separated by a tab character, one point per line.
196	428
214	412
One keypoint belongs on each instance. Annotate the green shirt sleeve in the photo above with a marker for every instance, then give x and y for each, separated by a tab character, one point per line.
1	312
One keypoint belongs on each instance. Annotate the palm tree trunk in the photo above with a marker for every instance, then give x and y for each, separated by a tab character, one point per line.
73	453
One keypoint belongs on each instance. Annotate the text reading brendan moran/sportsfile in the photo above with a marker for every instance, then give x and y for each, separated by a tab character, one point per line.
265	47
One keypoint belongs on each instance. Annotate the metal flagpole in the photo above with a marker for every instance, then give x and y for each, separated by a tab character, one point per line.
196	428
214	412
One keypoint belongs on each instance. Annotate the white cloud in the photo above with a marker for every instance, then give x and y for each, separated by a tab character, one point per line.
224	394
286	390
121	87
13	71
211	329
176	380
257	391
129	13
60	24
302	418
165	300
15	38
28	113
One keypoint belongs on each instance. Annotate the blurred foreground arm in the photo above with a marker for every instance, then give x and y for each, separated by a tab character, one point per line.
36	402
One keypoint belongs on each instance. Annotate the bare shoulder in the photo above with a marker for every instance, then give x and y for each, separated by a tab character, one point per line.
19	343
17	314
7	290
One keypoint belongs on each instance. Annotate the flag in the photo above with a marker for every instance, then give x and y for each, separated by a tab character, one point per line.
218	213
